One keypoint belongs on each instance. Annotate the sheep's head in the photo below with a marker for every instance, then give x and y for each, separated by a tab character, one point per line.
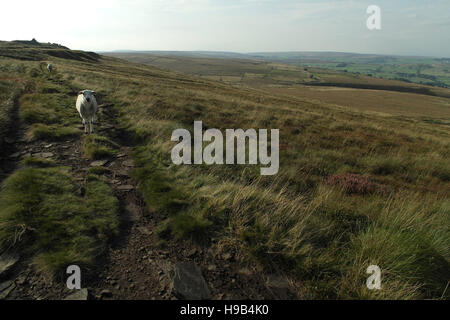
87	94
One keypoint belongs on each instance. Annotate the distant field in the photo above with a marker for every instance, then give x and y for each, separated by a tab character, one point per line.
396	103
419	70
254	72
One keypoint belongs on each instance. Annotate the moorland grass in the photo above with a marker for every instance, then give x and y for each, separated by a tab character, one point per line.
99	147
303	222
44	216
99	170
38	162
297	223
53	132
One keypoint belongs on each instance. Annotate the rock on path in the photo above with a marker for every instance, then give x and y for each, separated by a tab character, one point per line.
79	295
98	163
188	282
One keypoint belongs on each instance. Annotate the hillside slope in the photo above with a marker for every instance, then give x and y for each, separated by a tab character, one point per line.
267	70
354	189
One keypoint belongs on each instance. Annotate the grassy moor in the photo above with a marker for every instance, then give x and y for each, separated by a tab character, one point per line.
364	176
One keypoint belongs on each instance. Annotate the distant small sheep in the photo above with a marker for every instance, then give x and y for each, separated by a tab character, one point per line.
87	108
49	67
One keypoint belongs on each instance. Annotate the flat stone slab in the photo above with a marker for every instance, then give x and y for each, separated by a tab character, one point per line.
122	173
188	282
128	163
7	262
126	187
279	286
98	163
276	281
78	295
43	155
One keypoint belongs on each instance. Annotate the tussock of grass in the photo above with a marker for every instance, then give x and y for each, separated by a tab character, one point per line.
98	152
409	242
184	225
37	110
355	184
99	147
43	215
386	166
157	186
38	162
53	132
48	108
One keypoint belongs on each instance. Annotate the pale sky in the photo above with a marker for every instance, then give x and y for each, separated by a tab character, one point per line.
409	27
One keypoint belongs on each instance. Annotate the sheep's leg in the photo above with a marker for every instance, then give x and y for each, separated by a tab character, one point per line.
92	125
85	125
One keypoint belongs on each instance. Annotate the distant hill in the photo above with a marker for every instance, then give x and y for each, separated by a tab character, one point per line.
36	51
421	70
258	71
192	54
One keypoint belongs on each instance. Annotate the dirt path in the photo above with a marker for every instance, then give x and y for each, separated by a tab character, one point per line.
137	268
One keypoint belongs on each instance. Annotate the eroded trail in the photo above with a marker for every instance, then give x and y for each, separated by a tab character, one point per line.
137	267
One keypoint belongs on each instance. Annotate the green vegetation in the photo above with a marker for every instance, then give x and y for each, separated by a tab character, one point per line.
98	147
99	170
355	188
38	162
44	215
348	181
9	90
53	132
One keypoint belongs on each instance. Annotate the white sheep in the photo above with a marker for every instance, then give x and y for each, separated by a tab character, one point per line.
49	67
87	108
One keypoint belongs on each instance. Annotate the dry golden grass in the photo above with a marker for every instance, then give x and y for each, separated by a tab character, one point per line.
389	102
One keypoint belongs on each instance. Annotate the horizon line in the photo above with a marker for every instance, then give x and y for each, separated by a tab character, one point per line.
268	52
